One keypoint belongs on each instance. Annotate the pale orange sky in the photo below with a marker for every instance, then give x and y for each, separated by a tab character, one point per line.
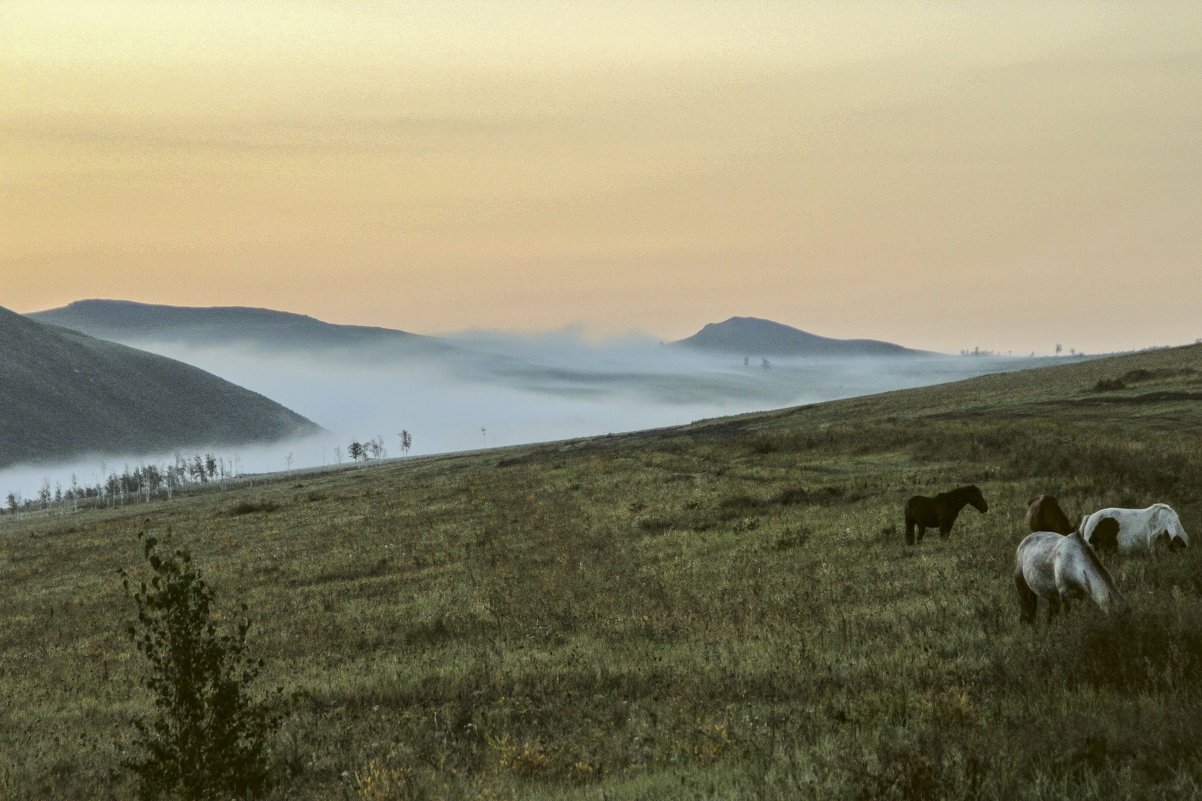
943	175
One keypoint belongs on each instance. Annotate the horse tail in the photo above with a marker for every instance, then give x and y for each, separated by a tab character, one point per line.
1028	601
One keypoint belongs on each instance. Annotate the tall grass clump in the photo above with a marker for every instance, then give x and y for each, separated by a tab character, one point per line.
1147	649
208	739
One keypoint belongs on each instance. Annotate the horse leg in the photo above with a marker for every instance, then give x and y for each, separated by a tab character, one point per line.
1064	603
910	523
1028	601
1054	602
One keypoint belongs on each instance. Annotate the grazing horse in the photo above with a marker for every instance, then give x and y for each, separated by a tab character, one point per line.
1045	514
1056	568
1138	530
941	511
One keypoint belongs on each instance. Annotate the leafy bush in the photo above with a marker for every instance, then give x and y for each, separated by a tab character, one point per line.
209	738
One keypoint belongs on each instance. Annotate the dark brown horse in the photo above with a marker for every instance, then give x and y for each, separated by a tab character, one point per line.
941	511
1105	534
1045	514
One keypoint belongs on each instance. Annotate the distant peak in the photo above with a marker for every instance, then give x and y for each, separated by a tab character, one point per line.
755	336
751	321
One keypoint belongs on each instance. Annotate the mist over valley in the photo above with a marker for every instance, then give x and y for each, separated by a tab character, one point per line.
473	389
63	393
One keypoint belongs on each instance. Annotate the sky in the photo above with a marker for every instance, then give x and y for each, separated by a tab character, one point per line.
1002	175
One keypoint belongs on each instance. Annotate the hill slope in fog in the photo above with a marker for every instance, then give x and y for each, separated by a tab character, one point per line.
65	394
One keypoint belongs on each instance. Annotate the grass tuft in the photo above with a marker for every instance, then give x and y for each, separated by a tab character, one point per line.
252	507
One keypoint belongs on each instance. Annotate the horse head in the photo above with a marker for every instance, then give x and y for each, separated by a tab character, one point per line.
973	493
1173	543
1171	530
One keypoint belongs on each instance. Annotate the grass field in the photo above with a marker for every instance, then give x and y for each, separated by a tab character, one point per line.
723	610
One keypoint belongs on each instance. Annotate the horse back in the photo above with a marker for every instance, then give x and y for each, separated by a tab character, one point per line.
1044	514
1034	561
922	510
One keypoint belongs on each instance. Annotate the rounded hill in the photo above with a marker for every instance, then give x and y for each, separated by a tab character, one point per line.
65	394
752	336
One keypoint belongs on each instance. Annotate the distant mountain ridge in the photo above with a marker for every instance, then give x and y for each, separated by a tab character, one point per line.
64	394
128	321
752	336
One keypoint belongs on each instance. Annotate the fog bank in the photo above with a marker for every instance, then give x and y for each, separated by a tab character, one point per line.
497	389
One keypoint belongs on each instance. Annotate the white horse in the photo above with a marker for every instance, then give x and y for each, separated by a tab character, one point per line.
1138	530
1056	568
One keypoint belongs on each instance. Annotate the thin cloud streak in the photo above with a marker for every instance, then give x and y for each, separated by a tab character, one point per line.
350	134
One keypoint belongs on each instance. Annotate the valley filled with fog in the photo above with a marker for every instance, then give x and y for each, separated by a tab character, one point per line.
491	389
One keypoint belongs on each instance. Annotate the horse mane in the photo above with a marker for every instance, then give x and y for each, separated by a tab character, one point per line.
969	494
1094	562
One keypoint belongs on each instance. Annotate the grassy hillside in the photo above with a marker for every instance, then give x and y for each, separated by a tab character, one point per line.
64	394
725	610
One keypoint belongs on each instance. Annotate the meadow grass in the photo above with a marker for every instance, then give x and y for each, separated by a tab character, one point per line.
722	610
